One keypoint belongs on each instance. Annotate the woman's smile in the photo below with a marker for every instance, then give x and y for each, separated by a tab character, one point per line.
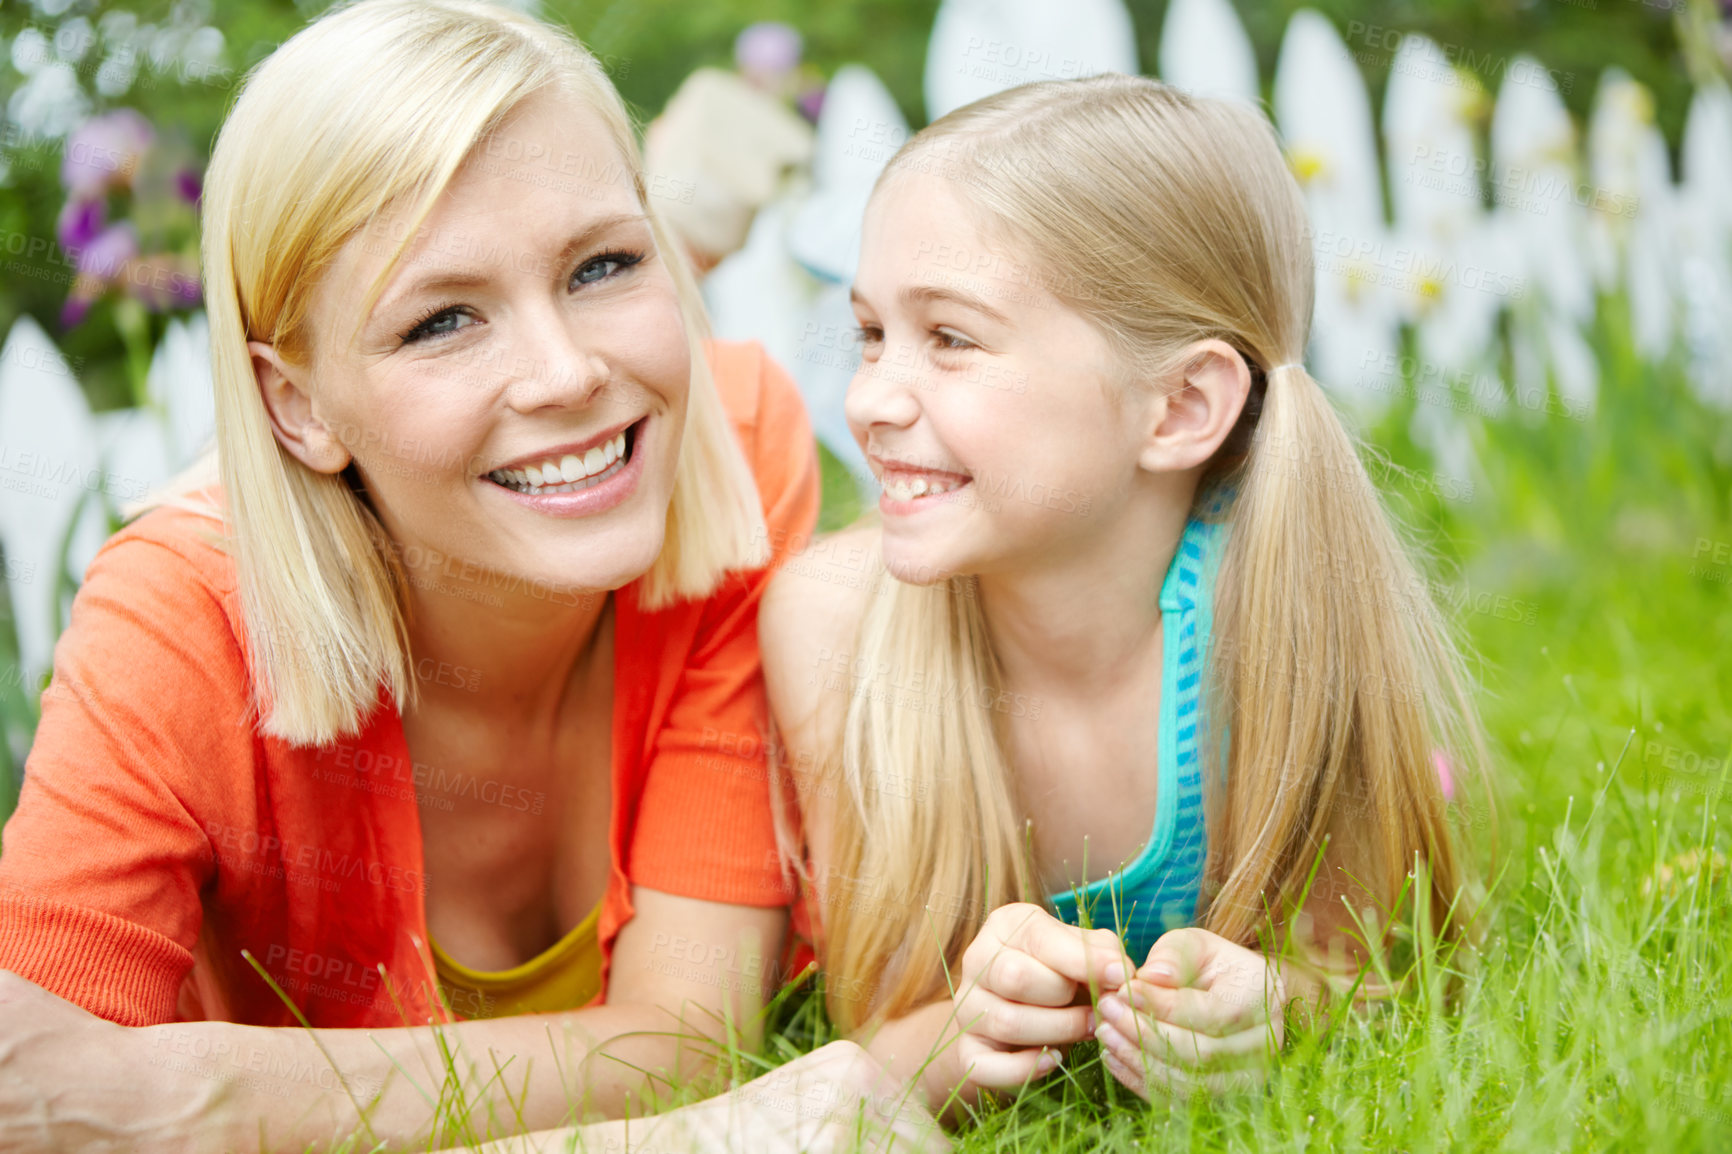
576	480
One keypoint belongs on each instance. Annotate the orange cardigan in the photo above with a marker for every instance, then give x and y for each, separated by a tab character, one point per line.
158	834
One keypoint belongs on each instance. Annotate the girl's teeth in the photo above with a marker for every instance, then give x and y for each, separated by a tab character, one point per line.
903	489
567	474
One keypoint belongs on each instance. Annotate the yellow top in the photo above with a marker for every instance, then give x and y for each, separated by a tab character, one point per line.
564	976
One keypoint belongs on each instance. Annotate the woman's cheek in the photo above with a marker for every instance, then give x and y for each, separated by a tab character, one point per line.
649	345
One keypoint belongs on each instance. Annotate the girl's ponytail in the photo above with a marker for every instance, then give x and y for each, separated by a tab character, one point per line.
1335	681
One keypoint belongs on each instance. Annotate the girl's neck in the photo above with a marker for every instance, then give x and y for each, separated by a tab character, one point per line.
1071	626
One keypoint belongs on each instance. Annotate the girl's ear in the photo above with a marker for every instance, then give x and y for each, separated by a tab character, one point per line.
1198	406
282	385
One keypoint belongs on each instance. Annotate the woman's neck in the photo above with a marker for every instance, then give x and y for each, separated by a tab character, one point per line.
502	655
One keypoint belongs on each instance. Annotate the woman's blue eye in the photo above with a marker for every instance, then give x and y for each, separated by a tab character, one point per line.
604	266
440	323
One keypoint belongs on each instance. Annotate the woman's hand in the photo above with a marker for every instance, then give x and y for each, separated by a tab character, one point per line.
1201	1011
835	1099
70	1080
1017	998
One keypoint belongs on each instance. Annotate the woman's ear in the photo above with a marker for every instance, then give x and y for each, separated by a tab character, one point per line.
1198	407
296	426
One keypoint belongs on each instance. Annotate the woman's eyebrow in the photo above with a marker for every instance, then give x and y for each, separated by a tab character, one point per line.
471	275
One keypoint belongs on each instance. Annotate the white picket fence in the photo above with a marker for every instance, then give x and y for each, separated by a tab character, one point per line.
1566	218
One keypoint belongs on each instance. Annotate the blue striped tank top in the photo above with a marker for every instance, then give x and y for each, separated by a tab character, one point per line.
1158	890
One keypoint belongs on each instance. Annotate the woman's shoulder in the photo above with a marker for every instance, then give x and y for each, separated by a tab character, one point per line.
762	401
172	550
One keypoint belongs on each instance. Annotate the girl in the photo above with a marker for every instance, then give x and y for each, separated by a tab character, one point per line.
412	707
1131	639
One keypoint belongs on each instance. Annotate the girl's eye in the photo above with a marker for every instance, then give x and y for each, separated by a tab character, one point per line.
605	266
952	341
442	321
868	334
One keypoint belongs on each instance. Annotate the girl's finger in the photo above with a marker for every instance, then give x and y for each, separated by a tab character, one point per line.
1216	1012
1183	1083
1130	1079
1189	1047
1087	957
1004	1069
1017	977
1018	1024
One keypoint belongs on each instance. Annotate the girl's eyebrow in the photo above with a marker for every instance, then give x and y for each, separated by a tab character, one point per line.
924	294
929	294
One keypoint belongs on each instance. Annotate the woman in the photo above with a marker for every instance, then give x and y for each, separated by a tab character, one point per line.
417	703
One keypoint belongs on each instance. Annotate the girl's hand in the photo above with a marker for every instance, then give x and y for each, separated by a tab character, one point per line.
1017	998
1201	1011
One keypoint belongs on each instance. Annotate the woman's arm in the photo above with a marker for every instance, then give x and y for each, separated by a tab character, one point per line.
77	1081
837	1098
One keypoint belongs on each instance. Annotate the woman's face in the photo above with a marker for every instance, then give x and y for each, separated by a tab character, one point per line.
982	402
515	399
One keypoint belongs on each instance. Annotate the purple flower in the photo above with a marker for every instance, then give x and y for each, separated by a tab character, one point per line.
767	50
186	183
811	102
104	152
163	281
105	256
81	219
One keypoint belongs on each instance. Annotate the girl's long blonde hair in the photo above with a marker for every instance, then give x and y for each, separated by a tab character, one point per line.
1165	220
369	107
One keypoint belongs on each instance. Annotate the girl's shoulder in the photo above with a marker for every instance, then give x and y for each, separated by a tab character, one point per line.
820	592
812	610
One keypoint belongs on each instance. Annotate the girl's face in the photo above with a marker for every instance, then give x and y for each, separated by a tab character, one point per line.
993	414
515	400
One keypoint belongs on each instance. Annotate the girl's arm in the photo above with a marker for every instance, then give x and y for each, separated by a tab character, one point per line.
1015	1003
1022	999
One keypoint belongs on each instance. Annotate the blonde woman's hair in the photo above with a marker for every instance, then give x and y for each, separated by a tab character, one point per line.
1165	220
371	107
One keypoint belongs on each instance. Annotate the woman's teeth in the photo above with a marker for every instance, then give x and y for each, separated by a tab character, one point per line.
909	489
569	473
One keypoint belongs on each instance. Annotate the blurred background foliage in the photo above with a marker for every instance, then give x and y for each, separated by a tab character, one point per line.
650	46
